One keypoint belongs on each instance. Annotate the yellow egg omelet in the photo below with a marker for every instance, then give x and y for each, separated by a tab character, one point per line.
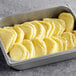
47	27
28	31
8	38
60	43
52	26
20	34
30	47
18	52
40	47
69	21
68	37
51	45
40	29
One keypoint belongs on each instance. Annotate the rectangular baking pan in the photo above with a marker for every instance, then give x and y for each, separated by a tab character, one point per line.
37	15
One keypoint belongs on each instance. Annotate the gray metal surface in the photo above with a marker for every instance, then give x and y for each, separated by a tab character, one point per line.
66	68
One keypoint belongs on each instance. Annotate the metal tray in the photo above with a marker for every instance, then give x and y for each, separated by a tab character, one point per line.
37	15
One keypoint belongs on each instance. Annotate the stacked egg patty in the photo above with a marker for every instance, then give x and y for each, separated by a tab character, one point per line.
38	38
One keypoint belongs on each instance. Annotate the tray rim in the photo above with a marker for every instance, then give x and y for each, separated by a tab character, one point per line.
10	62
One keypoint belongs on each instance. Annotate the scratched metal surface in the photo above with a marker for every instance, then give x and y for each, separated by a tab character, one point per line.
9	7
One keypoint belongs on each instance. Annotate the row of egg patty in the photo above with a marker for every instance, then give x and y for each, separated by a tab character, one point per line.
37	38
